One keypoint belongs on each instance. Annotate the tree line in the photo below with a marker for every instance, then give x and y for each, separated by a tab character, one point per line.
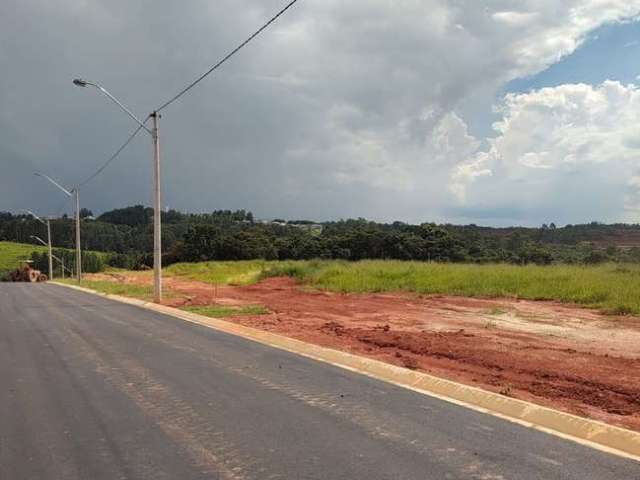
127	234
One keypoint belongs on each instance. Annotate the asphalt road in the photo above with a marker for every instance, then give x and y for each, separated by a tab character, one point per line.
94	389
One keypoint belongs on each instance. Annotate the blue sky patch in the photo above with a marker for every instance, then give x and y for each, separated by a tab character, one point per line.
610	53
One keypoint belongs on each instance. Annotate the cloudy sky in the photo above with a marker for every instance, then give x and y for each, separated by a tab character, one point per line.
464	111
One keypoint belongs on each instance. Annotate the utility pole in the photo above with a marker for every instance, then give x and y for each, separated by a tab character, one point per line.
48	244
50	249
62	267
78	254
157	213
70	195
60	261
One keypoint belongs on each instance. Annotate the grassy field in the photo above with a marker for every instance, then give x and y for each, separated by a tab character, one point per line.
144	292
611	288
218	311
11	254
222	273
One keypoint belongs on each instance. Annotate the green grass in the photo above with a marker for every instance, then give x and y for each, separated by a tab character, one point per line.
245	272
12	254
143	292
219	311
220	273
613	288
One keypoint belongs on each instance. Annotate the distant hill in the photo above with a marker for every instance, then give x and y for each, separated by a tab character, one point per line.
618	235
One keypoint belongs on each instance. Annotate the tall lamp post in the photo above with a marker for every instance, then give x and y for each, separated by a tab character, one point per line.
157	226
59	260
48	225
74	192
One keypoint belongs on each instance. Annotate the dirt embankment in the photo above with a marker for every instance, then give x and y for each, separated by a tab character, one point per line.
566	357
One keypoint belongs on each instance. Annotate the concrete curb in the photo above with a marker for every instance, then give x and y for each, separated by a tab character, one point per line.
614	440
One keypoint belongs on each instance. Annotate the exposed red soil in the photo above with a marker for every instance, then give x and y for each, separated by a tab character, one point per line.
566	357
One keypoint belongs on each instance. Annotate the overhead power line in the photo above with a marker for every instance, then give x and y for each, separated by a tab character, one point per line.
185	90
227	57
112	157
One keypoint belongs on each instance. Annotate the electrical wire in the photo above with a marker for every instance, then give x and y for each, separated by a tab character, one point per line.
112	157
227	57
186	89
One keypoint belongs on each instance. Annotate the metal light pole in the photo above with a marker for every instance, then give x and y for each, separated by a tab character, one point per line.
70	194
62	267
78	254
48	224
157	212
50	249
60	261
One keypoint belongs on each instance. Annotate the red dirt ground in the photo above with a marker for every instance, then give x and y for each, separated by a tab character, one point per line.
566	357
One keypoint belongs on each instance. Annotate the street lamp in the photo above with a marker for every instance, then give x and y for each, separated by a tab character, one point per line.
63	268
48	225
75	191
157	231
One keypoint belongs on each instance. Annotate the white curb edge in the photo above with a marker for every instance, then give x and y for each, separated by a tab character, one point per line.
592	433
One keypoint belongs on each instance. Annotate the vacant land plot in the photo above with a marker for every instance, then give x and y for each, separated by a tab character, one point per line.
612	288
222	273
575	359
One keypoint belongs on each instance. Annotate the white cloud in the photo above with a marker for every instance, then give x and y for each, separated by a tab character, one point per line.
340	104
388	66
569	133
548	31
515	19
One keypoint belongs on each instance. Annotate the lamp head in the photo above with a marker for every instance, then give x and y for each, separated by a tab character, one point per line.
79	82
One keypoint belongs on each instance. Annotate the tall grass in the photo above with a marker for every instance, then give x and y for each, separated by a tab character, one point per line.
221	273
613	288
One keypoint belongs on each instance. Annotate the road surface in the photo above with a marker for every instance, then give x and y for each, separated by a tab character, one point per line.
94	389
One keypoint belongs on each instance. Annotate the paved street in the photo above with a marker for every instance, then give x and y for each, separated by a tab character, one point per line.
94	389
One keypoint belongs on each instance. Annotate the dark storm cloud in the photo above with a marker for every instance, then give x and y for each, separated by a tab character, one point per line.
341	109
